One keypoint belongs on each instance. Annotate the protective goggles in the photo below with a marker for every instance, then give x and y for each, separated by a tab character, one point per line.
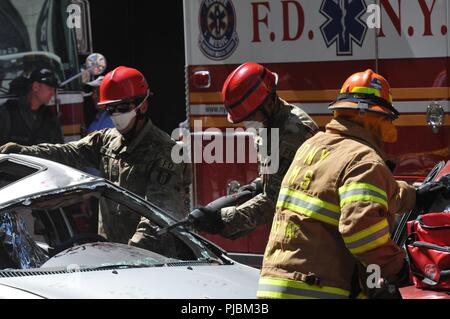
124	106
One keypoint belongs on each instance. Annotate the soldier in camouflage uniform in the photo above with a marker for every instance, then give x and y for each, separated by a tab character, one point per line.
135	155
246	100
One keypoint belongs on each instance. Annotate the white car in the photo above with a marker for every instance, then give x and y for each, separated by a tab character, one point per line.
42	256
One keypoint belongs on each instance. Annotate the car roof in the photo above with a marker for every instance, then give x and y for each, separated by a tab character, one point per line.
23	176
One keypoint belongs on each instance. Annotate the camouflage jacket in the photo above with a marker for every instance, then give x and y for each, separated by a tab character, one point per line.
295	126
143	166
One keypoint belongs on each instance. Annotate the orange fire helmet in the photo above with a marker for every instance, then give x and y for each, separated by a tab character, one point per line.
366	92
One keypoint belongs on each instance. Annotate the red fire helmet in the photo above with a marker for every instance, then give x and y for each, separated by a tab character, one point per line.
122	84
247	89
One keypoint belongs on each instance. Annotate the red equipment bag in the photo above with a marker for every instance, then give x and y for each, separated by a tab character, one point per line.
428	248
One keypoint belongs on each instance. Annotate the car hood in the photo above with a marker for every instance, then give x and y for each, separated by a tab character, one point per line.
179	282
65	276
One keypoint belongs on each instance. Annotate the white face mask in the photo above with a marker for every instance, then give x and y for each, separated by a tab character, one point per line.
253	124
122	120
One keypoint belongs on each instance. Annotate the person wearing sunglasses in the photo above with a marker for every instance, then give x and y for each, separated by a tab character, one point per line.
135	155
25	119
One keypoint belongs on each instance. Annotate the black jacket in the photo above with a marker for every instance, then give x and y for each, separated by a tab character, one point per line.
19	124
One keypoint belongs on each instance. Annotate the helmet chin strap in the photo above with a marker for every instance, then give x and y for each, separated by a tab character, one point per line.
269	116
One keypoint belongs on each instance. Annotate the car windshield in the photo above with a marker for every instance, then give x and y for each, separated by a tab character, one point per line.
41	231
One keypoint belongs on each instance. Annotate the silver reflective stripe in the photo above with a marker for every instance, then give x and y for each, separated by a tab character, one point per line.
368	239
309	206
300	292
362	192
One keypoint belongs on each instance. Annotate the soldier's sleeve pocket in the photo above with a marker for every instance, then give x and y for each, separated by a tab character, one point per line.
162	172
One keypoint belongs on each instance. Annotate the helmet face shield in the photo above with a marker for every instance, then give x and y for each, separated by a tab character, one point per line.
365	103
366	92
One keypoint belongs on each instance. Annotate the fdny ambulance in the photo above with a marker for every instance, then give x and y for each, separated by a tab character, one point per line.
313	46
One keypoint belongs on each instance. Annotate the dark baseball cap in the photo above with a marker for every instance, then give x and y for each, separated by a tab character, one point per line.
45	76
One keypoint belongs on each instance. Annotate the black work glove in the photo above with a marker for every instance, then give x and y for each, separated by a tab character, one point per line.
254	187
207	220
10	148
389	288
401	279
427	193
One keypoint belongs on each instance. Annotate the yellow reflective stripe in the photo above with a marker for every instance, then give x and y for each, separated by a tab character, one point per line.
286	288
370	238
302	285
309	213
371	245
362	296
313	207
369	198
366	90
366	232
352	186
279	295
359	89
354	192
313	200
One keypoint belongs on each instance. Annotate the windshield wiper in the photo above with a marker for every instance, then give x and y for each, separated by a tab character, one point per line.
211	260
122	266
208	260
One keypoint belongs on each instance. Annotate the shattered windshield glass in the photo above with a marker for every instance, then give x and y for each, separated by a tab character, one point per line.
17	246
40	231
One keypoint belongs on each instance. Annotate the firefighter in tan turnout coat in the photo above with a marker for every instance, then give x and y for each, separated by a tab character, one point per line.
338	201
